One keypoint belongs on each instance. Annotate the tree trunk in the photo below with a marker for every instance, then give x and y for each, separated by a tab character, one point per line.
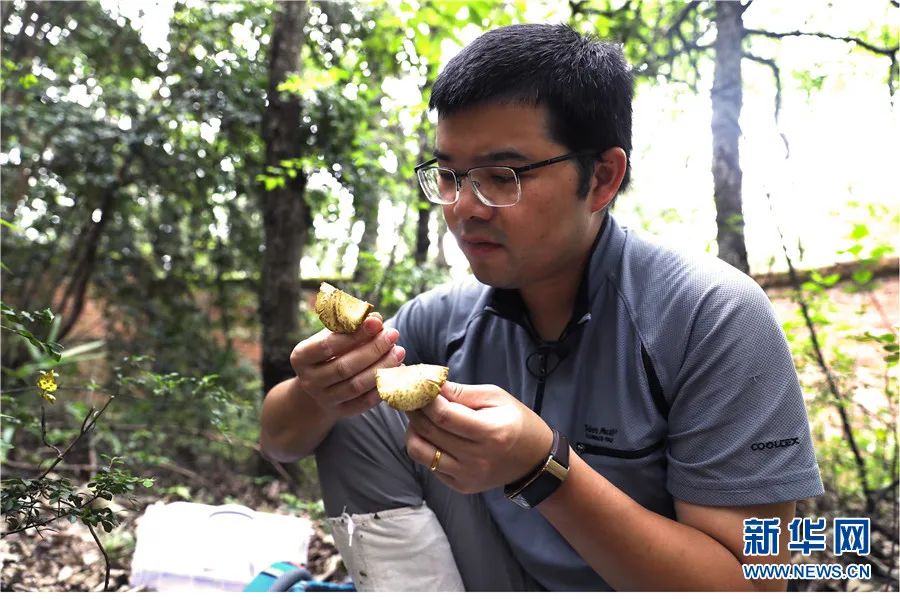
84	252
726	133
441	260
285	214
365	204
424	212
421	254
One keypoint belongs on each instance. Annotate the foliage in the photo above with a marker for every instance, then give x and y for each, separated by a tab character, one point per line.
17	321
855	436
129	179
314	508
37	503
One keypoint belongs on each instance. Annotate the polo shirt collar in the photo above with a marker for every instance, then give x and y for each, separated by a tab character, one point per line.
606	253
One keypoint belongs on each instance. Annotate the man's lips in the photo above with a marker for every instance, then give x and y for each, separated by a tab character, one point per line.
473	245
476	240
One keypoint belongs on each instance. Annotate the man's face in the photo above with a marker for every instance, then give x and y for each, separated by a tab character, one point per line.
545	236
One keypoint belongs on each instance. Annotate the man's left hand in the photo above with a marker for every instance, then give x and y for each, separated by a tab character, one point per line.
487	437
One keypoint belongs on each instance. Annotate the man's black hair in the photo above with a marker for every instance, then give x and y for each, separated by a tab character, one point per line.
586	85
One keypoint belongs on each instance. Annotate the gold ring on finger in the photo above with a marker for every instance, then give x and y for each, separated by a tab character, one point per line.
436	460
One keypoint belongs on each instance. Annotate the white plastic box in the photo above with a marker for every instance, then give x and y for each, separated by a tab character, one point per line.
184	546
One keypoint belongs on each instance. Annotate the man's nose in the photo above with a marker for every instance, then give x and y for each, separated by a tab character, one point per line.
469	205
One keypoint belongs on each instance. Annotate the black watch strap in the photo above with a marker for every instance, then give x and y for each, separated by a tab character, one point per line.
537	486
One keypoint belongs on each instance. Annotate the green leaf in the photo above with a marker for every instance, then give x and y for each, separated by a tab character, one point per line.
860	230
825	281
862	277
28	81
310	81
811	286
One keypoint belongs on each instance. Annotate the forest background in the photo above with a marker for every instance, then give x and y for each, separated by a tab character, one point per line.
178	177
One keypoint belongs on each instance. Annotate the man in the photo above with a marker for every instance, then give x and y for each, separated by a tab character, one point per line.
607	396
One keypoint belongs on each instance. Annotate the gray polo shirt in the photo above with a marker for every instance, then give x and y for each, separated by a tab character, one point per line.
673	379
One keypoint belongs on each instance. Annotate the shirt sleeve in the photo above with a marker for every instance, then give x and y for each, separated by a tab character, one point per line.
738	428
417	334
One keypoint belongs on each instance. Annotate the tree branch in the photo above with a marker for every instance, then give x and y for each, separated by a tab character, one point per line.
842	38
44	431
386	276
105	555
89	420
679	19
678	43
77	287
892	75
776	73
581	8
60	514
832	384
879	308
211	436
40	526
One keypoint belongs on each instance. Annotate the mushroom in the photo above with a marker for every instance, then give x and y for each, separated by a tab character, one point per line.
410	387
339	311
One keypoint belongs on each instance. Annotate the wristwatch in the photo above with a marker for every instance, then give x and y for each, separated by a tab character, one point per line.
535	487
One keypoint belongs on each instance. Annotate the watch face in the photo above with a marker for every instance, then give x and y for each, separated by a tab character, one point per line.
521	501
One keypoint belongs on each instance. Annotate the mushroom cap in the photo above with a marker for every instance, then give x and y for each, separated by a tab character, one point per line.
410	387
339	311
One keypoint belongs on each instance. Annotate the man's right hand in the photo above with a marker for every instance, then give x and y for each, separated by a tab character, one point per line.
337	370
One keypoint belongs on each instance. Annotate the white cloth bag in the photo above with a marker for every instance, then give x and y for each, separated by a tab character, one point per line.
399	550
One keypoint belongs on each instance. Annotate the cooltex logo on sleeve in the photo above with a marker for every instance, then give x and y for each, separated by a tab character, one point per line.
775	444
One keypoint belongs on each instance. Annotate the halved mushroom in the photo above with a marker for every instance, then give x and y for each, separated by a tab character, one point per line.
410	387
339	311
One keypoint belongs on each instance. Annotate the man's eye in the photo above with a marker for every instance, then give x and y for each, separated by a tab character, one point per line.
446	177
503	179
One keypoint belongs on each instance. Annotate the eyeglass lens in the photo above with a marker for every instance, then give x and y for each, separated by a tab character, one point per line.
495	186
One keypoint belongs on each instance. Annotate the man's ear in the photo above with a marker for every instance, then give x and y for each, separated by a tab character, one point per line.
607	178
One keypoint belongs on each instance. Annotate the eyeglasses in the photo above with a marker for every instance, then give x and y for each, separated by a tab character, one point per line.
495	186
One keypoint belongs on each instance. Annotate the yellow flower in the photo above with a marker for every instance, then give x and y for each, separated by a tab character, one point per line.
47	385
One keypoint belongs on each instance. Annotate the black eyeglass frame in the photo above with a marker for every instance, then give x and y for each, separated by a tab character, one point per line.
517	170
